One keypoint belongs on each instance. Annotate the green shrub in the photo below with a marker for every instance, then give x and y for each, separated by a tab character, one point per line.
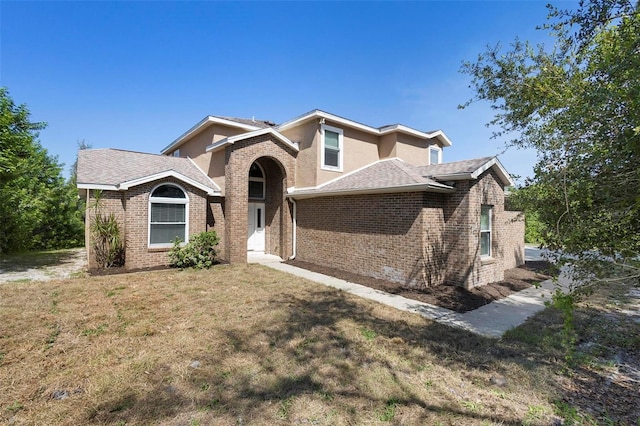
198	253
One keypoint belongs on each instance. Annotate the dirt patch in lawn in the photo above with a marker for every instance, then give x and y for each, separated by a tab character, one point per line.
43	266
448	296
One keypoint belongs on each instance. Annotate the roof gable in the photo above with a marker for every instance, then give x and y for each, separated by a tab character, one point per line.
467	169
239	123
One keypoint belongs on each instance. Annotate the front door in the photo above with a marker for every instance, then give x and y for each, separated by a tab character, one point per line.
255	236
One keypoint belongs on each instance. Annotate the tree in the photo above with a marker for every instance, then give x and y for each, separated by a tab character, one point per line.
578	104
39	210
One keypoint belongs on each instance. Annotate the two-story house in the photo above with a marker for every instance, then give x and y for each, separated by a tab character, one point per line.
377	201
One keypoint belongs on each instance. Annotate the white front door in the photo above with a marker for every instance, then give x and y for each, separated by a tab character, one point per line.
255	236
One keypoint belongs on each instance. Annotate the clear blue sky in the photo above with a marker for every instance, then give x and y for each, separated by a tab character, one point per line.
136	75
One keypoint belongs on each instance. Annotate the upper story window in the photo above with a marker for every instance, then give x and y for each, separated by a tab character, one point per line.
256	182
435	155
176	153
485	231
168	213
331	147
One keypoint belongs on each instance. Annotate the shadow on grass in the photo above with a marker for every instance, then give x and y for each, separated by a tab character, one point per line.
308	353
21	262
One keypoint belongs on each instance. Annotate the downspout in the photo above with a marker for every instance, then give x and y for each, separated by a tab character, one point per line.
294	230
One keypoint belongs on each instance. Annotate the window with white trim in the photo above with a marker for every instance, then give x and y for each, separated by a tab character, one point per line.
435	155
168	213
331	147
176	153
485	230
256	182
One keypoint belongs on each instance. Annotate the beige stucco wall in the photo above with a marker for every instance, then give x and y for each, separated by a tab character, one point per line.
212	163
387	146
413	150
307	160
359	150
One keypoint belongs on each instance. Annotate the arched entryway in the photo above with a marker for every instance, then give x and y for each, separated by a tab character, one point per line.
267	210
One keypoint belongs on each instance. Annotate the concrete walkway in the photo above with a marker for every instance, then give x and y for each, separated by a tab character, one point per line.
491	320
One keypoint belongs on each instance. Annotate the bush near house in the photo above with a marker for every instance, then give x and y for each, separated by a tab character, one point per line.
198	253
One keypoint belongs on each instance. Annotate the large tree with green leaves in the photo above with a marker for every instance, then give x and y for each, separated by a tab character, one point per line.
39	209
578	104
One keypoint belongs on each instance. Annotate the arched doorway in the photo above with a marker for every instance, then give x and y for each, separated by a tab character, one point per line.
268	215
256	238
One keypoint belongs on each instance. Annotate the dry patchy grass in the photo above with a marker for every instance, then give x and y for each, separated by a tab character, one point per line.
249	345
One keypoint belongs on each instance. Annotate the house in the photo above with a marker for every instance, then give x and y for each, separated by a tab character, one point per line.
377	201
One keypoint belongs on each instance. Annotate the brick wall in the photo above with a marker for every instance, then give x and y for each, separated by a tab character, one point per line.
379	235
513	238
132	212
462	215
139	255
421	239
216	222
278	160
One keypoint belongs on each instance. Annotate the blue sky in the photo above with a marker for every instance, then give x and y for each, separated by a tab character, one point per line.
136	75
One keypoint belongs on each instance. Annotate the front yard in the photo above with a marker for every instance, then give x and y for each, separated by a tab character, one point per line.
249	345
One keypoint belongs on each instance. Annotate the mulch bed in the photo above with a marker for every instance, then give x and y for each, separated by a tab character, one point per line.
447	296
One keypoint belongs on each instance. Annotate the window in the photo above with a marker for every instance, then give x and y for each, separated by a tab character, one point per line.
167	215
485	231
176	153
256	182
435	155
331	148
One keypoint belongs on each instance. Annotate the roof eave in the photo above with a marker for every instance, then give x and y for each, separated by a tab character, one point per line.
366	191
363	127
124	186
268	130
494	163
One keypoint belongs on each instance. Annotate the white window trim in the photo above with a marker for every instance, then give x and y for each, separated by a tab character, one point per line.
162	200
439	150
176	153
263	179
489	231
340	133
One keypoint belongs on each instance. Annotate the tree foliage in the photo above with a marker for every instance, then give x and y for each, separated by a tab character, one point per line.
578	104
39	210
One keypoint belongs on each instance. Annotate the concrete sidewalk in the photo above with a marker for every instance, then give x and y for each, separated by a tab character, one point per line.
491	320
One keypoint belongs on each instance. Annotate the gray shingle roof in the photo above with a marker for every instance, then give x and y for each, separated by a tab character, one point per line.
395	175
453	168
391	175
115	167
251	122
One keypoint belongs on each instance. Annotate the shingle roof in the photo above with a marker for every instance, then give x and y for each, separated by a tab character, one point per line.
249	121
453	168
114	167
392	175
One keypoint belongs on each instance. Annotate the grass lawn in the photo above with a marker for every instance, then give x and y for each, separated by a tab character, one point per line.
249	345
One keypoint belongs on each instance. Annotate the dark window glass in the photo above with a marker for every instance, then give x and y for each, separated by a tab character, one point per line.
255	171
168	191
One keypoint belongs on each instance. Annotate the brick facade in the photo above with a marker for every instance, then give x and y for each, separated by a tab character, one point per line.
278	161
132	212
414	238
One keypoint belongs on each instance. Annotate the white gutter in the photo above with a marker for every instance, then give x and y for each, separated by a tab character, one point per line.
294	221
